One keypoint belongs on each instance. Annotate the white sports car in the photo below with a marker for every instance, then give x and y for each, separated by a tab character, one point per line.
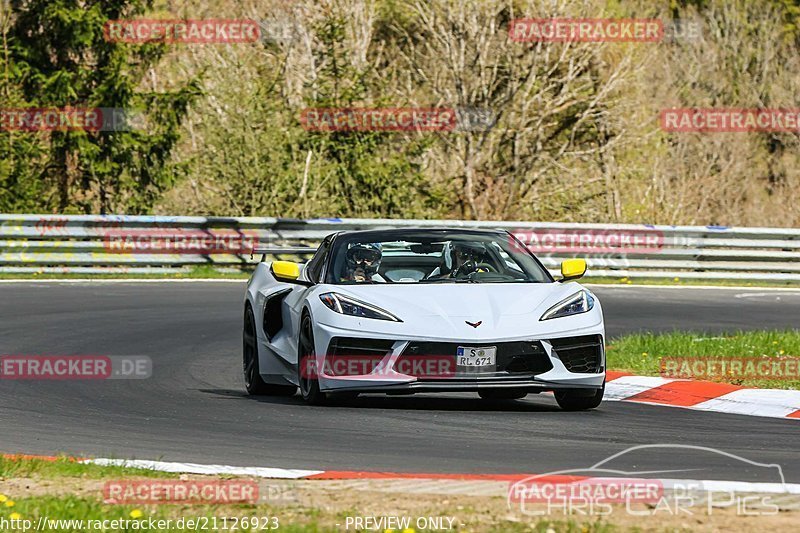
401	311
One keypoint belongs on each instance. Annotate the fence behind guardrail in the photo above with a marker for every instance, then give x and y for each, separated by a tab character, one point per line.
159	244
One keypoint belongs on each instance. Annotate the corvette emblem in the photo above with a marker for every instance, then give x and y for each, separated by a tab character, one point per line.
474	324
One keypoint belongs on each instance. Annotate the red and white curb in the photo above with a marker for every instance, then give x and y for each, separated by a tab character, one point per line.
495	485
702	395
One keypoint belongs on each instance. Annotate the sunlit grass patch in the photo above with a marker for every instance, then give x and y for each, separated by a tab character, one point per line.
71	513
26	467
642	353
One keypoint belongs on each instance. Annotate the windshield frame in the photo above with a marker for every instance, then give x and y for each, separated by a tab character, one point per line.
342	239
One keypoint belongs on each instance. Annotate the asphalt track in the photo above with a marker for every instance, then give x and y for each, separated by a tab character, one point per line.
193	409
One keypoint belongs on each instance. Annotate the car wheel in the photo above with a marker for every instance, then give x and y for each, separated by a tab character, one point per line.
579	399
306	371
252	375
502	394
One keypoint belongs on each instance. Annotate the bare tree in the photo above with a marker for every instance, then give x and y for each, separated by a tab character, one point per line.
741	61
554	137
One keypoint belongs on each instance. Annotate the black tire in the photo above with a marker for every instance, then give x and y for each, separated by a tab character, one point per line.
309	386
502	394
252	375
579	399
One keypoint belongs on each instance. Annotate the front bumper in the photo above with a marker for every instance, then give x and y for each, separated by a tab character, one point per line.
523	363
529	385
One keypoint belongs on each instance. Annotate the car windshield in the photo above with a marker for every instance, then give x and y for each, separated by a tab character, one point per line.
433	256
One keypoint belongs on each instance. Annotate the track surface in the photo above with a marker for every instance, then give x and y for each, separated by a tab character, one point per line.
193	408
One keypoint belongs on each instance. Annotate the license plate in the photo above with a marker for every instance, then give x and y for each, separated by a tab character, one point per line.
476	358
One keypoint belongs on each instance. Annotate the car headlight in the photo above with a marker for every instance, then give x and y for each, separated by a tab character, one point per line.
350	306
580	302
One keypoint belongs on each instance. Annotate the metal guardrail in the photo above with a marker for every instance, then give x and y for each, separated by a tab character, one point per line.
160	244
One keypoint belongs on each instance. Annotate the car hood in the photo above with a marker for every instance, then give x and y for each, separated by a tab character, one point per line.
503	309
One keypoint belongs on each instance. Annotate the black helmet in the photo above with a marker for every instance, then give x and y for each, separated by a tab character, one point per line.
366	255
470	251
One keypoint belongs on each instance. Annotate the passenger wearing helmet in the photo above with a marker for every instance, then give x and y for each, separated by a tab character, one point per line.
362	261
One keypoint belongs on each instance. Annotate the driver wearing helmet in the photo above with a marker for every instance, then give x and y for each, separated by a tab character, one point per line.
362	261
460	259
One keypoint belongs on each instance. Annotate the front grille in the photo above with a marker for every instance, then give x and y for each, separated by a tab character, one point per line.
582	354
352	356
516	358
356	346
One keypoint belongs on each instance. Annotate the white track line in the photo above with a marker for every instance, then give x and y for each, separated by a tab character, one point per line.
193	468
776	403
627	386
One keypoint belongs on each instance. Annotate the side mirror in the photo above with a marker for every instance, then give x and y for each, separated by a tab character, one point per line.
287	272
572	269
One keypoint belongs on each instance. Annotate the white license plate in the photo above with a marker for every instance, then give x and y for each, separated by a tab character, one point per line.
471	357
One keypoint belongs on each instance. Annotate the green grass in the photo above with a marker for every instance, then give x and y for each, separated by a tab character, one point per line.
642	353
294	517
64	467
87	508
294	520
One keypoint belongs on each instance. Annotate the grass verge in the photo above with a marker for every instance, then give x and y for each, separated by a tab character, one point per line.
21	466
642	354
70	514
65	495
33	490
